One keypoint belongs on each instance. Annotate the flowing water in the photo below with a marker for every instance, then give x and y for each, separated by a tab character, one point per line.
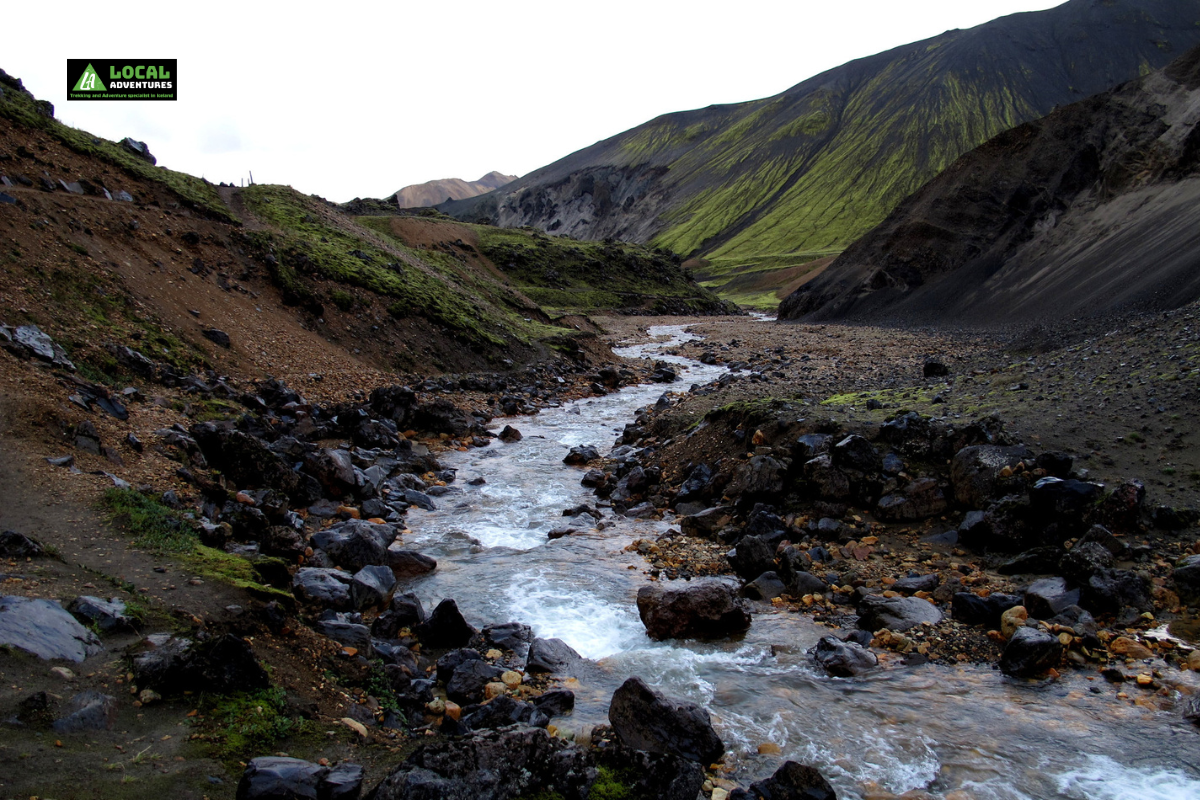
938	728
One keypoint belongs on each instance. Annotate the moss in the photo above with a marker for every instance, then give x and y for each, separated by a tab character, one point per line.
342	299
232	727
613	784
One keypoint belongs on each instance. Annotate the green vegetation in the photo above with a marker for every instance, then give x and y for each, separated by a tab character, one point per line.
232	726
161	529
195	192
613	784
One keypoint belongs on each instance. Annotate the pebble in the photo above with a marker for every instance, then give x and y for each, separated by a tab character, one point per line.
1124	646
1012	619
769	749
453	710
63	673
494	689
355	726
511	679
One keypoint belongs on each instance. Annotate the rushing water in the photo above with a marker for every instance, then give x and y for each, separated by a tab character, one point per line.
956	732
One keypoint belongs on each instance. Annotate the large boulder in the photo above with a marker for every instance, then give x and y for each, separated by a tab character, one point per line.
468	680
334	470
280	778
87	711
1030	652
793	781
976	473
645	720
44	629
855	453
753	556
1187	579
445	627
703	609
501	764
327	588
1110	590
107	616
248	462
896	613
1049	596
762	476
355	544
1067	502
843	659
223	664
827	481
405	611
552	655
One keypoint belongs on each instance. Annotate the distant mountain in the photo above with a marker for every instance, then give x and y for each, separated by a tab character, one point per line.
434	192
1089	211
778	181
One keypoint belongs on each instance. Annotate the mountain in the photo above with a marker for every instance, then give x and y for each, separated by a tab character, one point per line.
1088	211
432	193
774	183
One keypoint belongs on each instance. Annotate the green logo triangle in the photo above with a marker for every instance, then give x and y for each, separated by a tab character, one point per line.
89	81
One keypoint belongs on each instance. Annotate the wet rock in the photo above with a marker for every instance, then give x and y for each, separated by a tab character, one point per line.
703	609
976	471
87	711
334	470
106	615
419	499
1108	591
1038	561
18	545
802	582
911	584
896	613
580	455
355	544
552	655
445	627
468	680
1084	560
1030	652
510	434
453	660
708	523
695	488
856	453
1047	597
45	629
752	557
408	563
975	610
327	588
222	664
762	476
920	499
279	778
502	711
348	634
1075	618
514	636
371	587
405	611
828	482
843	659
1186	578
766	586
593	478
1066	502
793	781
646	720
556	702
501	764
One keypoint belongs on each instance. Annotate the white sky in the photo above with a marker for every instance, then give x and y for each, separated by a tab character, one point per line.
357	99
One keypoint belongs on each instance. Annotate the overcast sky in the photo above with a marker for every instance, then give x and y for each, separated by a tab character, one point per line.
357	99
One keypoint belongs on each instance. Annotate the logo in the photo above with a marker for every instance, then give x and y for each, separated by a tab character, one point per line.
132	79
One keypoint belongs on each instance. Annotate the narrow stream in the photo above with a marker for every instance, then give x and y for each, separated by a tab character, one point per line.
955	732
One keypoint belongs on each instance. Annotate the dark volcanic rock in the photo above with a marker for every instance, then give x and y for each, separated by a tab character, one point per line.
280	778
405	611
468	680
1030	652
1110	590
445	627
248	462
44	629
703	609
895	613
223	664
87	711
355	544
107	615
645	720
502	711
553	656
327	588
752	557
855	452
18	545
975	610
843	659
1049	596
793	781
976	473
580	455
767	586
1187	579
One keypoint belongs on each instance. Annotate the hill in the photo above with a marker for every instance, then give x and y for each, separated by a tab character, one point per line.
431	193
776	183
1087	212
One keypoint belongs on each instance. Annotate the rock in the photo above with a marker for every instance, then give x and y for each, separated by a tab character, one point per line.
510	434
348	634
793	781
975	610
504	710
934	369
1084	560
87	711
556	702
408	563
1064	501
704	609
45	629
1186	578
1110	590
803	582
419	499
139	149
107	615
767	586
552	655
1012	620
18	545
222	664
1038	561
762	476
811	445
1030	652
217	337
896	613
753	556
468	680
912	584
405	611
355	544
513	636
1048	596
327	588
843	659
856	453
593	478
453	660
827	481
334	470
1098	534
920	499
1129	648
29	341
708	523
445	627
501	764
645	720
246	461
580	455
976	471
279	778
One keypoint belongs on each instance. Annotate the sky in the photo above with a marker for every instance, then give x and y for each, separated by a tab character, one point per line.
358	99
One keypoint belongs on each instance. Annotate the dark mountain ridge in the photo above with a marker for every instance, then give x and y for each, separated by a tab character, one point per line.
1089	211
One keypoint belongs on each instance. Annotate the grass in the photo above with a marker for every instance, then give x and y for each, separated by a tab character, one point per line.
233	727
161	529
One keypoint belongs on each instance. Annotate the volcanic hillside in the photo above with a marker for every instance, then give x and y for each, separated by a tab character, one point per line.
1089	211
778	182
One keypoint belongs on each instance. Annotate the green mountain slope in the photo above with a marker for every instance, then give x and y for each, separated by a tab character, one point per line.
794	176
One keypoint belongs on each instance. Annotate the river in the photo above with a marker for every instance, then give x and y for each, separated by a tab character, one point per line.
956	732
